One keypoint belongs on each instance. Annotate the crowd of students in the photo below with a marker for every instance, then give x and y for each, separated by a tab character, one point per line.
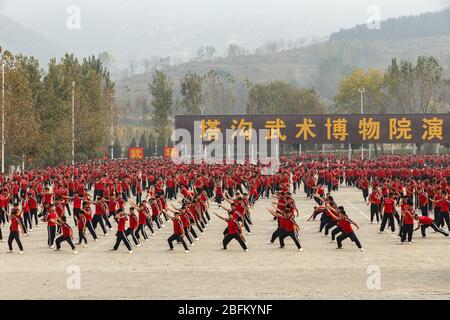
133	196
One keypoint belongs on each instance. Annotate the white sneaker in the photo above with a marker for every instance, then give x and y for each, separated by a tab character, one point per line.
152	236
300	250
138	245
52	247
269	242
146	240
75	251
202	233
197	239
95	240
409	242
362	250
21	252
85	246
186	251
130	252
246	250
400	242
192	244
249	233
105	234
380	232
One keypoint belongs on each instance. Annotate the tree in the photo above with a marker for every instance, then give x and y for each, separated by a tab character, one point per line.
348	99
210	51
279	97
419	88
161	90
132	65
191	93
147	63
234	50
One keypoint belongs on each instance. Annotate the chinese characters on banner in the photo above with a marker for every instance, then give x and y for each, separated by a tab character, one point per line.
136	153
170	152
310	129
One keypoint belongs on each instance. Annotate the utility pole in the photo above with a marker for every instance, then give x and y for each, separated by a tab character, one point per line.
362	91
73	123
3	117
112	129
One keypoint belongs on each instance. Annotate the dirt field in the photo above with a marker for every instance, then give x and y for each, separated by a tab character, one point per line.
419	271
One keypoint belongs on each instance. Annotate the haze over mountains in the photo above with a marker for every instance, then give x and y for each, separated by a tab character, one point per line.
304	45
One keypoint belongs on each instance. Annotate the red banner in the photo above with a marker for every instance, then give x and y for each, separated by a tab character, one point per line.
136	153
169	152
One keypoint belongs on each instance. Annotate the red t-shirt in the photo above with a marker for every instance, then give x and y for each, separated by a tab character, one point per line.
232	226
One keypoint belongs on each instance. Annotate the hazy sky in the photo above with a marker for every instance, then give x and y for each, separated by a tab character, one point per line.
140	28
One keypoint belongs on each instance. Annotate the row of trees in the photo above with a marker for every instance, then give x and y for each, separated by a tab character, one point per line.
405	87
38	108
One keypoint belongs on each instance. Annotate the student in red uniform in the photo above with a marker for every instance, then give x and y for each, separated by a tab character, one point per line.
387	212
424	222
67	235
134	223
178	232
51	219
345	224
374	201
121	219
234	231
14	230
81	226
33	206
408	222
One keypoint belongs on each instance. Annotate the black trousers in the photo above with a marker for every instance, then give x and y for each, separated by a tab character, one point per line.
149	224
374	211
407	231
179	238
97	219
276	234
329	225
82	236
444	219
229	237
352	237
51	231
27	220
293	236
14	236
91	229
130	232
386	217
121	237
335	232
141	229
62	239
434	227
33	213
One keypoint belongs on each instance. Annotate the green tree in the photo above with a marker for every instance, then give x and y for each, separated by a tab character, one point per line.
191	93
161	90
279	97
348	99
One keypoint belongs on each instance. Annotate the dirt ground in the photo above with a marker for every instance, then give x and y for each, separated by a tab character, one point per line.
385	270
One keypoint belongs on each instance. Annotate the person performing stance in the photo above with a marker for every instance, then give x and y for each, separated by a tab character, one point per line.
424	222
66	235
234	231
121	219
14	230
178	232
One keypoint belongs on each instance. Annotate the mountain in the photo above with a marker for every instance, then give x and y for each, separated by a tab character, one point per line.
18	39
